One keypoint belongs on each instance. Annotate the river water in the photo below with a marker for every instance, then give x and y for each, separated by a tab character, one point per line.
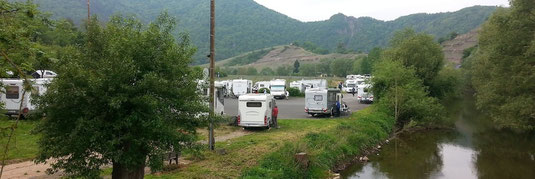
473	150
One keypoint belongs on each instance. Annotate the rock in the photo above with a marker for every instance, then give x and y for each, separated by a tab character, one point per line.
377	154
365	159
379	146
387	141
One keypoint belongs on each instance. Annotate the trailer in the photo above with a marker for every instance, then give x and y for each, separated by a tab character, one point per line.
13	96
323	101
255	110
219	95
241	87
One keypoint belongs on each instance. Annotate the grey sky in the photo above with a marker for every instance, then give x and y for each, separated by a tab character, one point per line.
315	10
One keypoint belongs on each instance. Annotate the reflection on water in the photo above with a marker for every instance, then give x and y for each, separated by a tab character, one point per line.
473	150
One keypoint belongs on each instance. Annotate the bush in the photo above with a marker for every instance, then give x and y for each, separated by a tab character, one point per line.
261	90
295	92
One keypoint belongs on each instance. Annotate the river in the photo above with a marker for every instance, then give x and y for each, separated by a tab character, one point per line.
473	150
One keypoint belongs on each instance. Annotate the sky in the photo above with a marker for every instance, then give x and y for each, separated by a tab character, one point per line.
317	10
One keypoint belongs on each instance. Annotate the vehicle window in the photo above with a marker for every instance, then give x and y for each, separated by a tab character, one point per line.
205	91
254	104
12	92
48	73
318	98
332	96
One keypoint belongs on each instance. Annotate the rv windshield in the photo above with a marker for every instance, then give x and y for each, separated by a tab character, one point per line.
277	88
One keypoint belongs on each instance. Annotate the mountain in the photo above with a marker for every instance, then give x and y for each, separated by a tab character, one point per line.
244	25
454	49
284	55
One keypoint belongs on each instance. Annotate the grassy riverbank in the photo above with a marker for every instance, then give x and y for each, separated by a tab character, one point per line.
324	148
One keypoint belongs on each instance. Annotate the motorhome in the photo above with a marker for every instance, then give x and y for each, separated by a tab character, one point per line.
262	84
302	85
219	95
241	87
298	85
322	101
349	85
255	110
278	88
365	95
13	96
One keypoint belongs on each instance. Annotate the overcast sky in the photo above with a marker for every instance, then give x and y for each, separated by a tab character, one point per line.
315	10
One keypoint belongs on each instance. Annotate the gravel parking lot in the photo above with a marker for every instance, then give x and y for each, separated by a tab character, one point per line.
294	108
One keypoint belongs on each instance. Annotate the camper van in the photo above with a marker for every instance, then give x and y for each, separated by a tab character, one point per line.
241	87
349	85
365	94
12	98
278	88
255	110
322	101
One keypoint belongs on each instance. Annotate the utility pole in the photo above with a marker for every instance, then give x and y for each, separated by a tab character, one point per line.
211	141
88	11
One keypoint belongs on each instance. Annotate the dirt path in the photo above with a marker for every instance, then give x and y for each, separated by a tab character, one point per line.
29	169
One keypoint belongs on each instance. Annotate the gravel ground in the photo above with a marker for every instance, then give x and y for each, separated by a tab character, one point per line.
293	108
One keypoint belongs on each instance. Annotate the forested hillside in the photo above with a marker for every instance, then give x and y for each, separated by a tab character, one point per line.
244	25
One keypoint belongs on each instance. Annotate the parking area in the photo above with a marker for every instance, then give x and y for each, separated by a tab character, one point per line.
294	108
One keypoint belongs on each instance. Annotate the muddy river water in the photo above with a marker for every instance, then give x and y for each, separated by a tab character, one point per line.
473	150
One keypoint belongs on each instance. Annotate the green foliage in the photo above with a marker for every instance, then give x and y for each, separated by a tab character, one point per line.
261	90
295	92
308	70
504	67
244	25
284	70
252	71
325	148
401	93
296	66
267	71
129	95
248	58
311	47
341	67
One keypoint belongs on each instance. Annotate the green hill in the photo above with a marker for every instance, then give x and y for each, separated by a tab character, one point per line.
244	25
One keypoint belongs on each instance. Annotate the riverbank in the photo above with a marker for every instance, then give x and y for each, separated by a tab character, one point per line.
325	149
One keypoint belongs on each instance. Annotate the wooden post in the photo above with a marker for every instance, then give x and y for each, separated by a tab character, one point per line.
211	141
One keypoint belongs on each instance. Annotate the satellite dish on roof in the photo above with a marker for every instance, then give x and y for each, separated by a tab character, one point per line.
206	73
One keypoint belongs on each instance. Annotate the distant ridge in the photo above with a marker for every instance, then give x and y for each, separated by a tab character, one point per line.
244	25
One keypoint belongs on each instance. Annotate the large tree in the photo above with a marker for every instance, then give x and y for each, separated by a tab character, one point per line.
504	67
128	97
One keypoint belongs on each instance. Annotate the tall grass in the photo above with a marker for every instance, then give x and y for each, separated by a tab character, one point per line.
325	148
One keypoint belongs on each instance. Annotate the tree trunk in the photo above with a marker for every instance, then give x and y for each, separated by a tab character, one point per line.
121	172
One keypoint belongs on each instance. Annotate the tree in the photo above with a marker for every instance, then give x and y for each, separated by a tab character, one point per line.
128	99
341	67
267	71
418	51
401	93
503	71
296	66
283	71
308	70
252	71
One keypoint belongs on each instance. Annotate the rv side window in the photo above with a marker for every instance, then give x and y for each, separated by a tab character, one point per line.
12	92
254	104
204	91
318	98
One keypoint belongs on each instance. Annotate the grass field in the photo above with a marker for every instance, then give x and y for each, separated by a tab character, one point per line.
24	144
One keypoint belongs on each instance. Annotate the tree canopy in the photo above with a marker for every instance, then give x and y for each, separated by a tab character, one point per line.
126	96
503	70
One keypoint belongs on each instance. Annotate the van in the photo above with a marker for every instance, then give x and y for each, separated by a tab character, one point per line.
12	98
322	101
255	110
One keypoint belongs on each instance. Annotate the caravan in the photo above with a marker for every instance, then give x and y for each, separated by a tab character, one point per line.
323	101
219	95
241	87
255	110
13	96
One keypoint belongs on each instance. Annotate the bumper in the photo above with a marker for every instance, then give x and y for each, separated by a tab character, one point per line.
319	111
251	124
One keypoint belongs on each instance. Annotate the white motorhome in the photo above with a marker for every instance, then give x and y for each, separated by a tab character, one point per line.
322	101
350	84
262	84
255	110
12	98
219	95
298	85
364	94
241	87
278	88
